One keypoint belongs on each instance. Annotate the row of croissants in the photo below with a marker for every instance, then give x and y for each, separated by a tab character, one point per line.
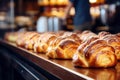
85	49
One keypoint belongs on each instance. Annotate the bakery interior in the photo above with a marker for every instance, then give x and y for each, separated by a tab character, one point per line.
17	63
18	14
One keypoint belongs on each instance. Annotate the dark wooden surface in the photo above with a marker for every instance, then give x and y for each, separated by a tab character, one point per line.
64	69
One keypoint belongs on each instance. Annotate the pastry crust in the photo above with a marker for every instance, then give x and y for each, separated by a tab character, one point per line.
29	44
114	41
24	37
42	43
11	36
64	49
86	35
96	54
86	49
64	46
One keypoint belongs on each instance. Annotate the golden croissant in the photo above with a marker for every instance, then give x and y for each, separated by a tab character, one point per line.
95	54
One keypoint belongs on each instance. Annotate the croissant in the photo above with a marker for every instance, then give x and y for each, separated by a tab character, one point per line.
95	54
29	44
71	35
62	48
103	33
11	36
43	42
85	35
118	35
24	37
113	41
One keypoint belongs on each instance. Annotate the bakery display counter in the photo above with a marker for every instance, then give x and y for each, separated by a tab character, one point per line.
64	69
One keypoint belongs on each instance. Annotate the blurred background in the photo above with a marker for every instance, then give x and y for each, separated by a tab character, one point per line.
45	15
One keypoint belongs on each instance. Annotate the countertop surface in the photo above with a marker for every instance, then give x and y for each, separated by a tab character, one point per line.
64	69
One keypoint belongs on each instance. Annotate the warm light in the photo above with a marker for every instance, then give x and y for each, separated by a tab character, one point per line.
92	1
53	2
95	12
43	2
62	2
54	12
96	1
72	11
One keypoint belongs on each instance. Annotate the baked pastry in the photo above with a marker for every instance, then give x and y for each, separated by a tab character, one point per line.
11	36
29	44
43	42
103	33
24	37
85	35
118	35
95	54
113	41
62	48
